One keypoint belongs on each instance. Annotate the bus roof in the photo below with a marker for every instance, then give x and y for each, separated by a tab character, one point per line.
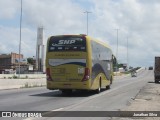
100	42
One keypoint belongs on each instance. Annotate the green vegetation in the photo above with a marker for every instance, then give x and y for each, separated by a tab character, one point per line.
26	85
30	61
16	77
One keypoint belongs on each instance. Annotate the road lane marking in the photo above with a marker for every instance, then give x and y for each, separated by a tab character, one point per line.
59	109
100	94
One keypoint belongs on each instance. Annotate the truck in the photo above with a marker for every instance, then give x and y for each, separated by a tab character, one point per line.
157	69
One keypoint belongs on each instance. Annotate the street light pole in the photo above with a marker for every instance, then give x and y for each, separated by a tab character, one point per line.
20	39
117	49
87	12
127	54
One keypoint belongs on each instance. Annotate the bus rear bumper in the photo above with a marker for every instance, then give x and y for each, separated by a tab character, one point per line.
65	85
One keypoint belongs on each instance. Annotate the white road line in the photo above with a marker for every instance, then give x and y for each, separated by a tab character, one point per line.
59	109
101	94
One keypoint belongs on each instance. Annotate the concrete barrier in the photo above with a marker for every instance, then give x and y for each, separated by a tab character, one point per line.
21	83
119	75
2	76
31	80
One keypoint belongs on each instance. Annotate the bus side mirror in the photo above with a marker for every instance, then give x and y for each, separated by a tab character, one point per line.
114	59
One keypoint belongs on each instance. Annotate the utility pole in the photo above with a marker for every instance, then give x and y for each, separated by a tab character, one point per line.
87	12
20	40
127	54
117	49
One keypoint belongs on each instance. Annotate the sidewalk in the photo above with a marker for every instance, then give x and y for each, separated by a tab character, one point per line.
148	99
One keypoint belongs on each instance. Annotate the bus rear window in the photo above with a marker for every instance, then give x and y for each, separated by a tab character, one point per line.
67	43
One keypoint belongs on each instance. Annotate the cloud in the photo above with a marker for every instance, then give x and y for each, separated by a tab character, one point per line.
136	19
53	15
10	41
9	8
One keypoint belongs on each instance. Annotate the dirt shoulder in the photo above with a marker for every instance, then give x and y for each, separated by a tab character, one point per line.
148	99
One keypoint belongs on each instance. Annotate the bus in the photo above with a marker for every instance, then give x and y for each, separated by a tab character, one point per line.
78	62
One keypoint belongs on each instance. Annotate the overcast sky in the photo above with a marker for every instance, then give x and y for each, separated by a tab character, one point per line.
139	20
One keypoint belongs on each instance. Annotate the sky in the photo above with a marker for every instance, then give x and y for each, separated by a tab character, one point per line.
137	21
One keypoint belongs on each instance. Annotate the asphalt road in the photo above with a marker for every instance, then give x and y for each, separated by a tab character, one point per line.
118	97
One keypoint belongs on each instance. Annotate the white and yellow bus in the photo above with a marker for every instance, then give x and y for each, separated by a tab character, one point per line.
78	62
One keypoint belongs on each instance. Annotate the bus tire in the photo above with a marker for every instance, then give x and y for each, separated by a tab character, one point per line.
111	80
108	87
99	88
156	81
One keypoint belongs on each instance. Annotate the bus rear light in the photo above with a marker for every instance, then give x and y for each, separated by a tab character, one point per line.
48	74
86	74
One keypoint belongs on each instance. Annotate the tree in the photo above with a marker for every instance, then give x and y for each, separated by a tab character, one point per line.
30	61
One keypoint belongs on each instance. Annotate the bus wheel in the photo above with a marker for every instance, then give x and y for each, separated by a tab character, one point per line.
108	87
156	81
99	88
111	80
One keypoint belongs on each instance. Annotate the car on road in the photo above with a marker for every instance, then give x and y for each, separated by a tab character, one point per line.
150	68
134	74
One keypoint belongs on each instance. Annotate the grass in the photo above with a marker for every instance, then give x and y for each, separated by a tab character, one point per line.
16	77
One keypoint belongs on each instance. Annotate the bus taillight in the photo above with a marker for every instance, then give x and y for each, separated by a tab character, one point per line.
86	74
48	74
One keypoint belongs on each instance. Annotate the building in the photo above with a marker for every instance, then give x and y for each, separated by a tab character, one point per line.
10	63
40	50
